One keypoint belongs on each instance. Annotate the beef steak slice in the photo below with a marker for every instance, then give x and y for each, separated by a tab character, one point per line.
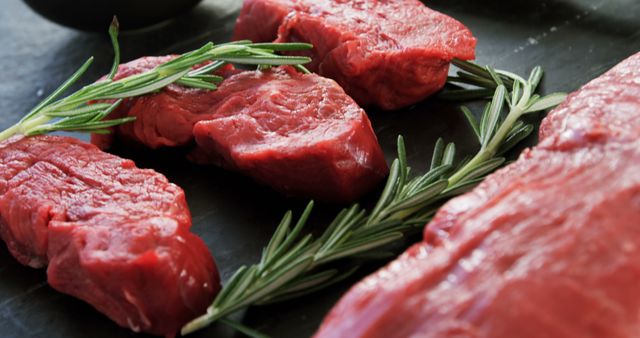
391	53
111	234
299	133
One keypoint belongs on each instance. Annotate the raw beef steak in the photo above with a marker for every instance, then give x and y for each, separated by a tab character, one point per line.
111	234
298	133
547	247
390	53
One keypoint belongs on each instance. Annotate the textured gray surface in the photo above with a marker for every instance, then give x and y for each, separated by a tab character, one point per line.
573	40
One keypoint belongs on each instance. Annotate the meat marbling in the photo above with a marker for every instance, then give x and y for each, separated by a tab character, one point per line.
547	247
111	234
390	53
298	133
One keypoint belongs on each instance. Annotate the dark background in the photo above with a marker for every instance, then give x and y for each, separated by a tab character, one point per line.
574	41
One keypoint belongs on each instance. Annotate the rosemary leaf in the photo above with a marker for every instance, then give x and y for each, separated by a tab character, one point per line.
281	47
472	121
113	34
420	183
196	83
244	281
484	168
306	282
493	114
231	286
438	150
514	138
419	198
361	245
278	237
546	102
210	68
388	192
266	60
286	294
449	154
78	111
148	88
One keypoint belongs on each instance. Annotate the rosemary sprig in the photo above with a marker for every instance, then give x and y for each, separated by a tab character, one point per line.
293	265
74	113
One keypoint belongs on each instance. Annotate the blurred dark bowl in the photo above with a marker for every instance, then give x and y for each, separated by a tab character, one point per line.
95	15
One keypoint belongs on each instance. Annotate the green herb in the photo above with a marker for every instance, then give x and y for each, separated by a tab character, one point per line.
293	265
74	113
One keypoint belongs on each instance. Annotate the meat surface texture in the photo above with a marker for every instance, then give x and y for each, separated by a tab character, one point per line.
111	234
298	133
388	53
546	247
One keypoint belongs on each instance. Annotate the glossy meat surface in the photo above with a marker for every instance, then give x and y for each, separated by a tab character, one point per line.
546	247
298	133
389	53
111	234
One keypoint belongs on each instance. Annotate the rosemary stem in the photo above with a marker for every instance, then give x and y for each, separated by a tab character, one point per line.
504	129
491	148
402	214
6	134
199	324
24	127
27	125
480	157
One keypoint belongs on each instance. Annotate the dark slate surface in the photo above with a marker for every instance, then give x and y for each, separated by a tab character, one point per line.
574	40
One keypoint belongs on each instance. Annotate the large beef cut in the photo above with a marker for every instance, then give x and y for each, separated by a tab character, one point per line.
111	234
547	247
298	133
391	53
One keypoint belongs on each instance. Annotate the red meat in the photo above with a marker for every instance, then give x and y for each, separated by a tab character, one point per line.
111	234
547	247
390	53
298	133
